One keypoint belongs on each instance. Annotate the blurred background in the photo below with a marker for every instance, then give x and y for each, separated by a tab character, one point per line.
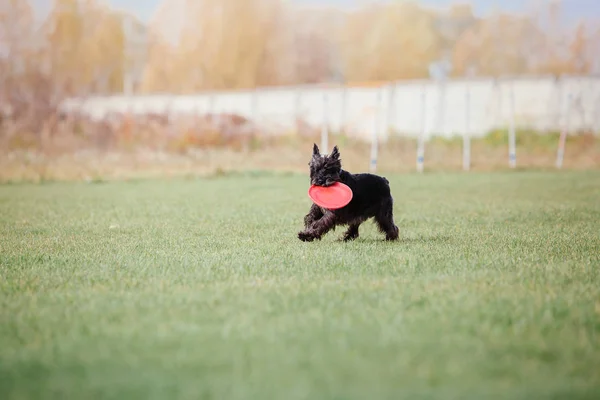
97	89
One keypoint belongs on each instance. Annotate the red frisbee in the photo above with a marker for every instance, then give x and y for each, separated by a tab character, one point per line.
331	197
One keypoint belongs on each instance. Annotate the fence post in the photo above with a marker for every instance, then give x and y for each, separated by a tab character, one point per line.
596	116
421	138
498	105
375	135
560	154
211	103
325	124
441	108
467	133
254	105
297	94
512	141
596	109
390	109
198	110
343	107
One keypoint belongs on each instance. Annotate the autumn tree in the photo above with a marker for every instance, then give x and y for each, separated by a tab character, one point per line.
579	56
387	42
555	43
229	44
65	31
223	44
164	32
157	75
103	51
87	47
502	44
24	85
16	40
593	51
459	40
315	48
454	25
16	33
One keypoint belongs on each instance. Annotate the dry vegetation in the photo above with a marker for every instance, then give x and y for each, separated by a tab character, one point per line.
83	48
123	148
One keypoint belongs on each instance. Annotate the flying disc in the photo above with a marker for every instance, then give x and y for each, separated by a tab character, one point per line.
330	197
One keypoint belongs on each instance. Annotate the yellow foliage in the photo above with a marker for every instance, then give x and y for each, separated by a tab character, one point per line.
396	41
85	47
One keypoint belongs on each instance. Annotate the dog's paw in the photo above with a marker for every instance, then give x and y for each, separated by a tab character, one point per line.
392	236
349	238
305	237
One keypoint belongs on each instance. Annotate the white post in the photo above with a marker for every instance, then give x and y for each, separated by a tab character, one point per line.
422	134
495	114
212	109
169	111
441	109
297	95
210	106
560	154
375	136
596	116
198	110
467	133
254	105
211	103
596	110
554	106
325	125
382	112
343	110
390	109
512	141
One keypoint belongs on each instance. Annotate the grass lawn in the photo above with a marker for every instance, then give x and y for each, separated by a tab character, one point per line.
196	288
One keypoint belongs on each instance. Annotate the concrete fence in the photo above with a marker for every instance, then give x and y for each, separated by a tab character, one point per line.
423	109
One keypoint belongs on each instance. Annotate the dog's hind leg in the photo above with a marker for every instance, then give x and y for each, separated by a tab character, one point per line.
352	232
314	214
385	219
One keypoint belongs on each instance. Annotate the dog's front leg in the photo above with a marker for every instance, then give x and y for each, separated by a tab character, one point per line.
314	214
318	228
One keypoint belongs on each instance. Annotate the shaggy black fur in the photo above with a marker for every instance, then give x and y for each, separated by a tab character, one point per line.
371	198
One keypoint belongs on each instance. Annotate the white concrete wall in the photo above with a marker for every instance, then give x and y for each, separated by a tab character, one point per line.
539	103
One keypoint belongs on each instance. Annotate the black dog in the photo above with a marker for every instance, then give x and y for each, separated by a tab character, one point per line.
371	198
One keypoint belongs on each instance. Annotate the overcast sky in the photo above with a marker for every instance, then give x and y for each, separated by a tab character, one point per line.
574	9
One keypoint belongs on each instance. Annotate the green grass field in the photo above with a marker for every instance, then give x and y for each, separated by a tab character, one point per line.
197	289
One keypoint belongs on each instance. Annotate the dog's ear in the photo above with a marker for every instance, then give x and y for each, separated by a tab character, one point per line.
335	153
316	150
